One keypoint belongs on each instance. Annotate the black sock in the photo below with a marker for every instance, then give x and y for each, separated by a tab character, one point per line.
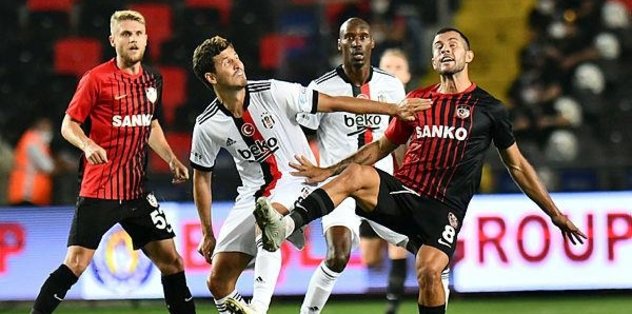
431	309
177	294
315	205
54	290
396	278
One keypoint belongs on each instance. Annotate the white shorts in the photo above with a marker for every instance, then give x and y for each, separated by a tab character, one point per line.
237	234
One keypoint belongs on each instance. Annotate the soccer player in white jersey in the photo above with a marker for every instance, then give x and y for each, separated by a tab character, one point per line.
339	135
255	121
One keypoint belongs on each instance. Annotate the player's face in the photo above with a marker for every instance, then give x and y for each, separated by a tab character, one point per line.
450	54
355	44
229	70
397	66
129	38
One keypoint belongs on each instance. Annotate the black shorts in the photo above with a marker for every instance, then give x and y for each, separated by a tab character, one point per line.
141	218
425	221
366	231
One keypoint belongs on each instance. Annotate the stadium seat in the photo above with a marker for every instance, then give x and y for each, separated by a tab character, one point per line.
273	47
49	5
158	18
180	143
76	55
223	6
174	90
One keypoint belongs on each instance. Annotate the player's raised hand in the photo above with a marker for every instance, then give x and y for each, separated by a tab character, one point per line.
206	247
569	230
312	173
94	153
407	108
180	171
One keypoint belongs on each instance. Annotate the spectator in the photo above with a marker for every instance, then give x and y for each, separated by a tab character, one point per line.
30	181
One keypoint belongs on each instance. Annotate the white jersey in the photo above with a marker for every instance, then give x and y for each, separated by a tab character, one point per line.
341	134
263	141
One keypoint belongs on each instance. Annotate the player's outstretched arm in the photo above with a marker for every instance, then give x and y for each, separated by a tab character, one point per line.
527	179
405	110
71	130
366	155
159	144
202	196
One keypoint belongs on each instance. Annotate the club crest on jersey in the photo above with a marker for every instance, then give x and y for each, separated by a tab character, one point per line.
454	222
247	129
151	199
462	111
267	120
152	94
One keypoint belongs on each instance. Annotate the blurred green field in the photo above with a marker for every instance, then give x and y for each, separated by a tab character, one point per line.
584	304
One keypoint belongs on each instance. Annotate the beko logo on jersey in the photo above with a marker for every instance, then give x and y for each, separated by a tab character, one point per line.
131	120
260	150
441	131
362	122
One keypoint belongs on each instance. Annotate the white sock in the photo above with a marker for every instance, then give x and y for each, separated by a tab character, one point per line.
445	280
221	303
267	268
289	225
319	289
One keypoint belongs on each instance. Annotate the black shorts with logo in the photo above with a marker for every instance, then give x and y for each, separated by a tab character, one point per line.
425	221
141	218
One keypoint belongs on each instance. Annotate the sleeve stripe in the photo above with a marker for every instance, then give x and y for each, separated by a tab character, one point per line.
201	168
315	102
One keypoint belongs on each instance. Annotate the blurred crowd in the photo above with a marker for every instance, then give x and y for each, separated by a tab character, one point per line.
570	104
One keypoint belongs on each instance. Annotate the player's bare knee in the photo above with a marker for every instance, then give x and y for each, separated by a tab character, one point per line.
171	265
349	178
428	275
337	261
77	266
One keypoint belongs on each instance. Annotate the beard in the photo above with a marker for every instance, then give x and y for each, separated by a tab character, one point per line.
451	70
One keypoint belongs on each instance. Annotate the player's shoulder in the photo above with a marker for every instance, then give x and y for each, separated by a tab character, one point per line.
486	99
325	78
423	91
259	86
379	74
152	71
101	71
209	112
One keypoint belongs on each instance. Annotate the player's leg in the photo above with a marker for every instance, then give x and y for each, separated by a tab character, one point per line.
360	182
91	220
150	230
371	246
396	277
266	271
221	282
430	263
341	235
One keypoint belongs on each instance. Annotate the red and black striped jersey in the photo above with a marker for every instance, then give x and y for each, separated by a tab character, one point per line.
448	143
117	110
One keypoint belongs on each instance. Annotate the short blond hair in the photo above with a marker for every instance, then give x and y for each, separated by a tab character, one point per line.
125	15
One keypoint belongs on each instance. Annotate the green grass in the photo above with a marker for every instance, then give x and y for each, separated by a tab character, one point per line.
585	304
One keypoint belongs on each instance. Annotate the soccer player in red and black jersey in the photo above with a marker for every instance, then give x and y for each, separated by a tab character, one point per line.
428	196
120	101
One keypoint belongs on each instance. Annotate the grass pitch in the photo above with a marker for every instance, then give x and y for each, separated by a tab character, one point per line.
555	304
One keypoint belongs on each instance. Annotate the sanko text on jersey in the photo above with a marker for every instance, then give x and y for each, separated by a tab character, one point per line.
442	131
131	120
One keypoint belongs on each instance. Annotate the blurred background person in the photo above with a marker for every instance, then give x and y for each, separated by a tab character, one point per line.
30	182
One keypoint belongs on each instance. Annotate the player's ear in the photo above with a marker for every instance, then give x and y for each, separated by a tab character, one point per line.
469	56
339	47
210	77
111	39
